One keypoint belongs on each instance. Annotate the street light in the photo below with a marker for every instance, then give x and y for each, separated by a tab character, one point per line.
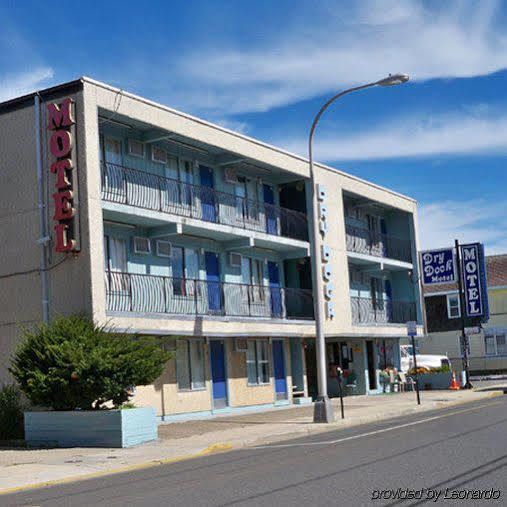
323	411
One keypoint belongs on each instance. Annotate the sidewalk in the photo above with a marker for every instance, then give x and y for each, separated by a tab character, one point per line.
23	468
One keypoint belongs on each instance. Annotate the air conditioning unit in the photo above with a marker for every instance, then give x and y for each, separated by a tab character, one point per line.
136	148
240	344
158	155
235	259
142	245
163	248
230	175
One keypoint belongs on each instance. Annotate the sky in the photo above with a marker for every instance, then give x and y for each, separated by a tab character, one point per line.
264	68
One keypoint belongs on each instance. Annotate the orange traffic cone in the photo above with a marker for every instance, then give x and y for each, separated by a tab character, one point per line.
454	384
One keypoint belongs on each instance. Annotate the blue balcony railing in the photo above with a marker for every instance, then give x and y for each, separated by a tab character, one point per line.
364	241
129	292
141	189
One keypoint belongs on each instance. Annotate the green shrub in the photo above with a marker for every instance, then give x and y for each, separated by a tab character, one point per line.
11	412
73	364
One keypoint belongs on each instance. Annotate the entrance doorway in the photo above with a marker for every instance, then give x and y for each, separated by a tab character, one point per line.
279	370
218	373
370	357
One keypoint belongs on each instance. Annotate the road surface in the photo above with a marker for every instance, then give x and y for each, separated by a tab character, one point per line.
461	450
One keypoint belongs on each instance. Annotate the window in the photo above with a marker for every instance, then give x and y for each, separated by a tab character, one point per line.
257	362
136	148
453	307
115	262
158	155
185	267
190	364
252	274
496	344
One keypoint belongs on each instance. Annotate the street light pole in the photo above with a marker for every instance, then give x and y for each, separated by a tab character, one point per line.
323	411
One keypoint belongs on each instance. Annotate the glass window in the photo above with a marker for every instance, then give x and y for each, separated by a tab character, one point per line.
190	364
501	345
453	309
177	264
490	345
185	269
257	362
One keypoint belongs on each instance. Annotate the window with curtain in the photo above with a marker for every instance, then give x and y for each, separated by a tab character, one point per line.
115	261
257	362
185	270
252	274
190	364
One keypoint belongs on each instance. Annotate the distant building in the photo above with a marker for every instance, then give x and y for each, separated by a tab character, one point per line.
488	350
160	223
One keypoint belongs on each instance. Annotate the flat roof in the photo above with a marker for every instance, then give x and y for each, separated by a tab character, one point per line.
70	84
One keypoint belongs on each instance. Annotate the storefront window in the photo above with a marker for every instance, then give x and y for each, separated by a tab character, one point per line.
385	353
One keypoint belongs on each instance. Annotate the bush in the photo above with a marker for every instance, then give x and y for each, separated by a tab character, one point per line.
12	407
73	364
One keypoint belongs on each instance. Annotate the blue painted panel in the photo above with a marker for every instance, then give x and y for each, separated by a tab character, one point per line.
279	367
208	201
100	428
218	374
213	281
275	290
269	199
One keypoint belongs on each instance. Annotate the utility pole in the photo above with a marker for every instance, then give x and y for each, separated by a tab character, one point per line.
464	337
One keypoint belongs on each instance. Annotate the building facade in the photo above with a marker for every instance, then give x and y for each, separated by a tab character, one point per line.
488	349
159	223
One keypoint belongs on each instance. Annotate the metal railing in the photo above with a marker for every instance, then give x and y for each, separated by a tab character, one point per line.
149	191
366	310
129	292
361	240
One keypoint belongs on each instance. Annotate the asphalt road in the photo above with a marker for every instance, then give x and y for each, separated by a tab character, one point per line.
459	449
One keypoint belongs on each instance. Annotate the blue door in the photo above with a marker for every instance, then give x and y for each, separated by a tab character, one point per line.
279	370
275	289
269	201
213	282
389	297
208	201
218	375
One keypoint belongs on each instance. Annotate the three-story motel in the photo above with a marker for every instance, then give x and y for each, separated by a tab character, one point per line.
159	223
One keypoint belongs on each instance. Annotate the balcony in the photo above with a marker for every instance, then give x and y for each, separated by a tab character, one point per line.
149	191
128	292
364	241
366	310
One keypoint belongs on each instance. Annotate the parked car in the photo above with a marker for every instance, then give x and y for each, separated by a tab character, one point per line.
426	360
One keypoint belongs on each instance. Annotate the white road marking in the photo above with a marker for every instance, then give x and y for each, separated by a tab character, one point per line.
376	432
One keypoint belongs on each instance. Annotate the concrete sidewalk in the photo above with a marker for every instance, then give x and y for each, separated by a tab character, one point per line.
23	468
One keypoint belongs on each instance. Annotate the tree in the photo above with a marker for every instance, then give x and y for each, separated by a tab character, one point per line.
73	364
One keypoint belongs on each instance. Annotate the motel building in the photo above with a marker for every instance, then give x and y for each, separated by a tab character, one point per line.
159	223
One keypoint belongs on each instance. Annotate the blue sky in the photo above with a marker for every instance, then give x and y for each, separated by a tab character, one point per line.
265	68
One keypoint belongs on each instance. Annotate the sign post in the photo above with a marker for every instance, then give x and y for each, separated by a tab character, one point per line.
412	332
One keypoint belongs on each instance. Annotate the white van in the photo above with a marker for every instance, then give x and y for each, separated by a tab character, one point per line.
425	360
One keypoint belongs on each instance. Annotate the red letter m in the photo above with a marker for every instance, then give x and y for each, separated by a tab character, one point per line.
60	115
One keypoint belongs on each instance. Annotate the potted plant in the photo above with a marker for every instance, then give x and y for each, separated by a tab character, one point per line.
84	375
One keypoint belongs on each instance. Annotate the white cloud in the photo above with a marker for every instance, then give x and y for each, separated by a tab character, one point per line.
358	44
237	126
440	223
456	133
15	85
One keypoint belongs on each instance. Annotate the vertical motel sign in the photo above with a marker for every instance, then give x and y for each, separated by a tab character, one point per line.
474	280
60	122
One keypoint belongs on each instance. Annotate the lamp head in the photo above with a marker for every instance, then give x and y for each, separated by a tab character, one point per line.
393	79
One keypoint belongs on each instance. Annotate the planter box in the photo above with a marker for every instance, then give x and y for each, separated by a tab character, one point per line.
94	428
435	380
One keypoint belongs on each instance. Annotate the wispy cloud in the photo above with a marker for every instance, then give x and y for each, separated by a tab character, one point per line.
356	44
453	133
440	223
14	85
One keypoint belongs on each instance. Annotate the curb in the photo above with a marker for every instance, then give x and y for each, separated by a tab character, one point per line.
222	447
219	447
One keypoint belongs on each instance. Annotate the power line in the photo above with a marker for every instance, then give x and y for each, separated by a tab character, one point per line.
36	270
